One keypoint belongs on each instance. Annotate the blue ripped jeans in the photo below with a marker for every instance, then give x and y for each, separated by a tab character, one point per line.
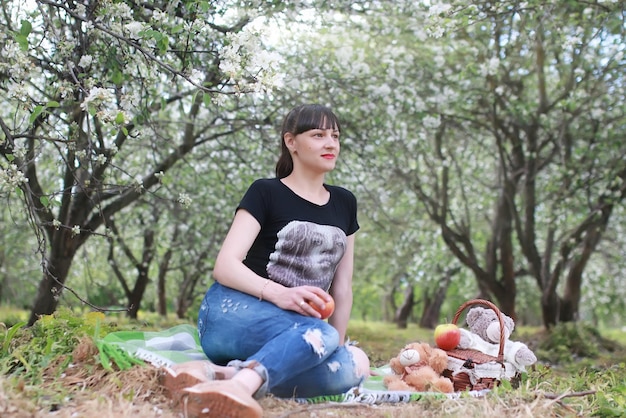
299	356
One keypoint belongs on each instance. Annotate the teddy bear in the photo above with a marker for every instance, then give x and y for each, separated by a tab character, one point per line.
484	336
418	368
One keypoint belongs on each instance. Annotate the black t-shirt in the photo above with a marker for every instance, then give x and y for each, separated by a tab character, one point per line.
300	242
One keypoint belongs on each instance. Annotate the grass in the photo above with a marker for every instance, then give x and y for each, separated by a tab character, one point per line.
54	370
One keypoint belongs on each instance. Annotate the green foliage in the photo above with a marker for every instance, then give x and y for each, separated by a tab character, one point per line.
111	354
612	402
28	351
570	342
8	337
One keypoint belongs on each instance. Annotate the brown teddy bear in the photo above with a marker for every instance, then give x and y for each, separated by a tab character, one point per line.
418	368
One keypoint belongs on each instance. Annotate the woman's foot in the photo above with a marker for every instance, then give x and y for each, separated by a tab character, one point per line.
222	398
187	374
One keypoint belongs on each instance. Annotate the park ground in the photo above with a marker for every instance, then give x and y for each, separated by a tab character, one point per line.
580	373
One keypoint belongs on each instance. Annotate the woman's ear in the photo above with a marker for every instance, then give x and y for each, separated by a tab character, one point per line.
289	139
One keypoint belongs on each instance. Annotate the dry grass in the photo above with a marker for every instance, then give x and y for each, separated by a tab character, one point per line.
136	393
90	391
84	389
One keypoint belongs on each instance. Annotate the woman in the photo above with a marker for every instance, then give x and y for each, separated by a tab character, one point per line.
290	246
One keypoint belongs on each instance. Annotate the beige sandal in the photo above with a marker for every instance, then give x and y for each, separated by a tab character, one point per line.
187	374
223	399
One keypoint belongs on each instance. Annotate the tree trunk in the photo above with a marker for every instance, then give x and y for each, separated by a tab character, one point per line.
186	295
161	293
134	299
163	270
432	304
55	273
404	311
143	267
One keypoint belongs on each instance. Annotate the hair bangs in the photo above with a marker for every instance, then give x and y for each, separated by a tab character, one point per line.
316	117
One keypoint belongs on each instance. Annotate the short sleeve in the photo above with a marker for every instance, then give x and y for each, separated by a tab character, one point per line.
254	201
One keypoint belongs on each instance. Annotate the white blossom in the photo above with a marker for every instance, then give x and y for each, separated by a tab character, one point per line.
431	122
19	150
436	32
121	10
80	10
159	16
196	76
133	29
490	67
438	9
17	91
97	96
85	61
184	199
100	159
12	176
219	99
138	183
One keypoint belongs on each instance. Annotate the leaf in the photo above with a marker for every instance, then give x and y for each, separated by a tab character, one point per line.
117	77
44	201
119	119
22	41
205	6
105	360
162	45
206	98
53	103
9	336
36	112
26	28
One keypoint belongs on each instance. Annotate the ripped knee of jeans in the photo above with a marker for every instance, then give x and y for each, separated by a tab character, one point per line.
361	361
314	338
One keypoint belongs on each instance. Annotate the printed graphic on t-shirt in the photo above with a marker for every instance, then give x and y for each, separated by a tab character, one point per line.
306	253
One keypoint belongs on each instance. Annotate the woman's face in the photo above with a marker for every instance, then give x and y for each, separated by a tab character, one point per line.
315	149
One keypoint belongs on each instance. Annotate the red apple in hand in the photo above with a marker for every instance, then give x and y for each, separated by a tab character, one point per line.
329	308
447	336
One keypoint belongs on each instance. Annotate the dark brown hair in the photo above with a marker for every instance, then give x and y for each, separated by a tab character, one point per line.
301	119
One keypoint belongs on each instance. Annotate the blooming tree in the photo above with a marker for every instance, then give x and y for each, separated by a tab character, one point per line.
104	99
500	120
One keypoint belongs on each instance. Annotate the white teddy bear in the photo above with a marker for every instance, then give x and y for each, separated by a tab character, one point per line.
484	336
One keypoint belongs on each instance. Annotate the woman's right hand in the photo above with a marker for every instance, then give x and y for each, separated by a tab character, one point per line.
297	299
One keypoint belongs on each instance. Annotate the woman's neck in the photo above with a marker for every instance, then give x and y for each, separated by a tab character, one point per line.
311	189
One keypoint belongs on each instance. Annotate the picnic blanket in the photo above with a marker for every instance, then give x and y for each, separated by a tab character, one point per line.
181	343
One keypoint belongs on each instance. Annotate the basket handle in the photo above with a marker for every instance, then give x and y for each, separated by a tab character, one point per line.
473	302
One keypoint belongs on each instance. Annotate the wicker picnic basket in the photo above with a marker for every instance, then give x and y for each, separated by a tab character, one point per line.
474	370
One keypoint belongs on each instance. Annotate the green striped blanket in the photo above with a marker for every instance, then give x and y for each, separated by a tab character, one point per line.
181	343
